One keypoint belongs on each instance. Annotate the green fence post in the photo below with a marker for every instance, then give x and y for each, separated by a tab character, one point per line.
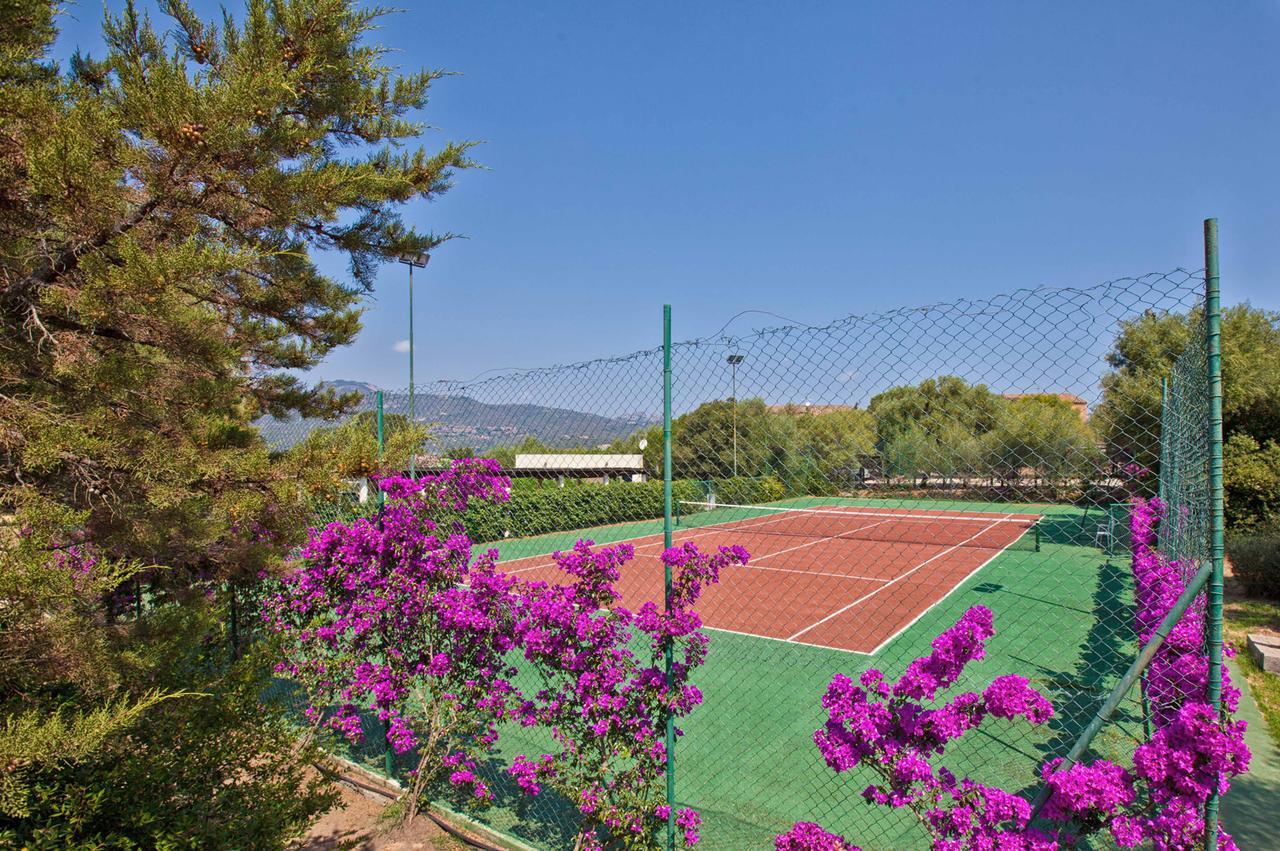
1213	625
666	541
413	410
388	758
666	579
381	446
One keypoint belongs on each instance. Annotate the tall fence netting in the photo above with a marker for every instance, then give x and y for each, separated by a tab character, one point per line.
1184	456
886	472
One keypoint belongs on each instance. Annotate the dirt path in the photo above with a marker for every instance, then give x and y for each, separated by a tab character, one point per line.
355	824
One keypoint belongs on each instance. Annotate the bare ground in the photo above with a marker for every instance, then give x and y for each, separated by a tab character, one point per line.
356	823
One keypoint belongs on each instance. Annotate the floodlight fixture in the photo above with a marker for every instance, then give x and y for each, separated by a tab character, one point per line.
415	259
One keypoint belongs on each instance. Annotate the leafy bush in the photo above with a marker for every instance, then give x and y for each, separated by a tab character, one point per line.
746	490
218	769
1251	474
1255	560
539	511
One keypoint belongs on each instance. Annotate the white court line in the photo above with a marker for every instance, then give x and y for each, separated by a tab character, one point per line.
876	511
820	540
894	581
785	640
686	531
954	589
750	566
816	573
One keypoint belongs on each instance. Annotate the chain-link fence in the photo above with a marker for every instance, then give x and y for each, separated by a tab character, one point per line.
886	472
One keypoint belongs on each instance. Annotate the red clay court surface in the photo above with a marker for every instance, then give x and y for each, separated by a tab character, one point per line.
811	579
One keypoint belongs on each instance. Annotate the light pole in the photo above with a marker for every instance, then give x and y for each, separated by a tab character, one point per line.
414	260
733	361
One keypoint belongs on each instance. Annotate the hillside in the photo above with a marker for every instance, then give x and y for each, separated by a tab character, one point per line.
461	420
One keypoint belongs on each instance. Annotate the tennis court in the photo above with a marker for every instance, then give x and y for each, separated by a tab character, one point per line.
835	576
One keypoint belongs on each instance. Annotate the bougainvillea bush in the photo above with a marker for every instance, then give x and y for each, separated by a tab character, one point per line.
1192	752
605	696
396	613
393	613
900	730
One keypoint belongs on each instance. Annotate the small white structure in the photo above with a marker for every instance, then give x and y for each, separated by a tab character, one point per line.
601	466
360	489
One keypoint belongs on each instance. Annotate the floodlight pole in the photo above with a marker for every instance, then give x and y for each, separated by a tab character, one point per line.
417	260
734	360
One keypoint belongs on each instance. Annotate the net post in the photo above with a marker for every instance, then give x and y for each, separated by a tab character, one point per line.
1213	623
666	579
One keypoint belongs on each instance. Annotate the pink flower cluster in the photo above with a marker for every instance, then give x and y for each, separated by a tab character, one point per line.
809	836
1180	670
605	707
396	614
76	558
897	729
1191	753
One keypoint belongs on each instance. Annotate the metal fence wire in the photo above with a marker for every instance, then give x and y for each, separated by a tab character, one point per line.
886	473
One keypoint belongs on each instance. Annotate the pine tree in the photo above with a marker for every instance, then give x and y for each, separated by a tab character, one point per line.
161	211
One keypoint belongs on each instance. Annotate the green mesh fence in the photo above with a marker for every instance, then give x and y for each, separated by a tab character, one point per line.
1184	455
887	472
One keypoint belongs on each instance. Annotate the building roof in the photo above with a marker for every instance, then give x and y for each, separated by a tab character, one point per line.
581	462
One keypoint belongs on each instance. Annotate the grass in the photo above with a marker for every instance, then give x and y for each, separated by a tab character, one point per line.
1242	616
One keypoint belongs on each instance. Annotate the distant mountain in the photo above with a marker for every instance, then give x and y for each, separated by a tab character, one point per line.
348	386
460	420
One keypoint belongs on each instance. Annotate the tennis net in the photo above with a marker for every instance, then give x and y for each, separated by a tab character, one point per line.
862	523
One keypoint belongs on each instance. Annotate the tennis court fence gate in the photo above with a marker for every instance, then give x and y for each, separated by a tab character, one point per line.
887	472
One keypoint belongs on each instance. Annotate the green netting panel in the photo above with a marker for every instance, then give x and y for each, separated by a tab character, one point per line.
887	472
922	445
1184	452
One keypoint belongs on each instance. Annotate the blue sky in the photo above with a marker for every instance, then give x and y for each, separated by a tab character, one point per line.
812	160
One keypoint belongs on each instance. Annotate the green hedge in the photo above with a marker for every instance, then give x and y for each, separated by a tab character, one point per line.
743	490
541	510
535	510
1255	561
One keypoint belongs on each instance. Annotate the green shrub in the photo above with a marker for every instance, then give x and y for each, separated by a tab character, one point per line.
541	510
744	490
1251	473
1255	561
